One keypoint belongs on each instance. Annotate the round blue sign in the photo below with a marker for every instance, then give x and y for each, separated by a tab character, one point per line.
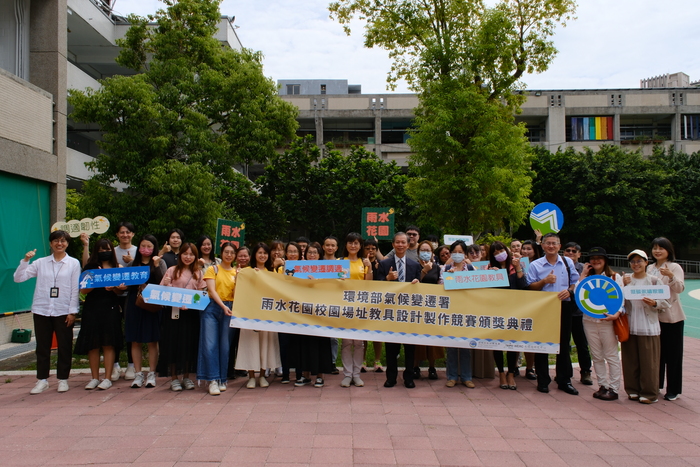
597	295
547	218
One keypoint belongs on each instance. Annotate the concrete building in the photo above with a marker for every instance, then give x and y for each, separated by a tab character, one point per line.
554	118
46	48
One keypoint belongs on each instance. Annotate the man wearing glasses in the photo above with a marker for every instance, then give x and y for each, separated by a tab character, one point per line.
413	234
572	250
554	273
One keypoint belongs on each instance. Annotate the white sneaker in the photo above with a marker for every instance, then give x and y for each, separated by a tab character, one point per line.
138	380
267	373
92	384
264	383
63	385
175	385
251	383
40	386
151	380
346	382
222	387
214	388
187	383
130	373
116	373
357	381
104	384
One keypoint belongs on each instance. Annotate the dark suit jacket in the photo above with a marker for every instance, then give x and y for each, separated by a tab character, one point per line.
412	269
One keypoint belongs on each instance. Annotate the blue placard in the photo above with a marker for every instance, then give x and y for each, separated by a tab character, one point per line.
339	269
546	217
95	278
175	296
597	295
475	279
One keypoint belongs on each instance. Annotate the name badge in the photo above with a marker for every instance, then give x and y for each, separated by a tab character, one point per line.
54	292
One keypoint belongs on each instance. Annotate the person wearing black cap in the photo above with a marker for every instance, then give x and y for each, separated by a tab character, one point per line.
600	333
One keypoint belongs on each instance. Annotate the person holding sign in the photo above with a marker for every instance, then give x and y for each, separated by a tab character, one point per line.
352	350
143	326
673	320
399	268
101	324
532	251
215	330
501	258
54	307
459	360
179	340
554	273
600	333
430	274
641	352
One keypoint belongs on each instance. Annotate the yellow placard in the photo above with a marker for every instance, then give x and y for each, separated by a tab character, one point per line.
425	314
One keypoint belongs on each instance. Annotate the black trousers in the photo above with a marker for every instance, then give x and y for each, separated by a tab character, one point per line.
44	327
511	357
392	368
579	336
671	357
564	371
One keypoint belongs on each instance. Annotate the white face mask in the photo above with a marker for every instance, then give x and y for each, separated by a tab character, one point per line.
502	256
457	257
425	255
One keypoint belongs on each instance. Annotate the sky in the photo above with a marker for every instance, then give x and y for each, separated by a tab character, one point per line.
611	44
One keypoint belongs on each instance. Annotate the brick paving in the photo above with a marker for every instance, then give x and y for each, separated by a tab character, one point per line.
283	425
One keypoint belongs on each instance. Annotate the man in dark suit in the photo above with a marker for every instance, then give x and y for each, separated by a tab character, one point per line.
402	269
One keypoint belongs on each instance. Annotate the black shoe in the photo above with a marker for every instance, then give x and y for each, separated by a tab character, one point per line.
409	384
670	397
432	373
530	374
241	373
363	370
543	389
416	372
600	392
302	382
569	389
335	371
285	379
389	384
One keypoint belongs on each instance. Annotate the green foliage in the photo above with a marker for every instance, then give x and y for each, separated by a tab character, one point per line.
324	195
472	163
73	205
489	238
173	132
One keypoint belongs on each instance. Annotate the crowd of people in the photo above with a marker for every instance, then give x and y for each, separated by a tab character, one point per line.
189	346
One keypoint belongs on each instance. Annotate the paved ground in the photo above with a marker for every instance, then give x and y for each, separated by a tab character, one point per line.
283	425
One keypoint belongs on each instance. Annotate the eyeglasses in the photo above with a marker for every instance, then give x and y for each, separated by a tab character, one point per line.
571	250
413	234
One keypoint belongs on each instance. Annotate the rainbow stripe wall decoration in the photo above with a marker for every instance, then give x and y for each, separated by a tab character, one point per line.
591	128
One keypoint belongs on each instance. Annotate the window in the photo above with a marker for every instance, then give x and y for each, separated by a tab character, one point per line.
590	129
323	89
293	89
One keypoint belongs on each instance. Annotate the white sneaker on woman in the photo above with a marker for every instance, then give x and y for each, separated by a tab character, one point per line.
92	384
138	380
63	385
105	384
151	380
214	388
40	386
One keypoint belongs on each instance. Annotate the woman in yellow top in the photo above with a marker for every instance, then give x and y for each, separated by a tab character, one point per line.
214	320
352	350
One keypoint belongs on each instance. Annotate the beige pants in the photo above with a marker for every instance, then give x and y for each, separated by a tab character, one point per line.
602	343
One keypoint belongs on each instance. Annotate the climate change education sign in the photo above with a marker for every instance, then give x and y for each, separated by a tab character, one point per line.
426	314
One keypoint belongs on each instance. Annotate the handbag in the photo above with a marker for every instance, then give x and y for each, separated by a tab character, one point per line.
141	303
622	328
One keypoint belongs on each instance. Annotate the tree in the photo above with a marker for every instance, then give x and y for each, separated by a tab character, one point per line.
319	196
465	60
174	131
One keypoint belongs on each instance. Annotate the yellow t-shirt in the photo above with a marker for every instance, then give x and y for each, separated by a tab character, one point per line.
225	282
357	269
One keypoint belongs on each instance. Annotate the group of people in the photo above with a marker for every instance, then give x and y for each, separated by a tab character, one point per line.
188	345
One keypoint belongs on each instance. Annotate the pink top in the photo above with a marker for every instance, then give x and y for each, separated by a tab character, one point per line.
185	281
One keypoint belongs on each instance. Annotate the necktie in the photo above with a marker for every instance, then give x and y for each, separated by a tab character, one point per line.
400	270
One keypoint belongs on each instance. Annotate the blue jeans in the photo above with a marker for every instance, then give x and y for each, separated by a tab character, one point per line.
459	361
214	343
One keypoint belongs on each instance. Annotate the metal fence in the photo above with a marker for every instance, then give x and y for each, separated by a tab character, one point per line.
620	263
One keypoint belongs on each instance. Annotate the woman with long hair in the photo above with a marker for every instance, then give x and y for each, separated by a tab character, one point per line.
101	323
205	247
179	340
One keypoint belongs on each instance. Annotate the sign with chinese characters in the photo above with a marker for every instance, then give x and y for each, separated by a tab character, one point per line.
450	239
655	292
482	265
98	225
378	222
95	278
175	296
402	312
598	295
547	218
229	231
339	269
475	279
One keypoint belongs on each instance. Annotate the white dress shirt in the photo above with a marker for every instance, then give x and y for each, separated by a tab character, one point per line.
49	273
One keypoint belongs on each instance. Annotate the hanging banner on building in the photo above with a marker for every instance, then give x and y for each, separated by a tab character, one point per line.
98	225
378	222
339	269
114	277
398	312
229	231
175	296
